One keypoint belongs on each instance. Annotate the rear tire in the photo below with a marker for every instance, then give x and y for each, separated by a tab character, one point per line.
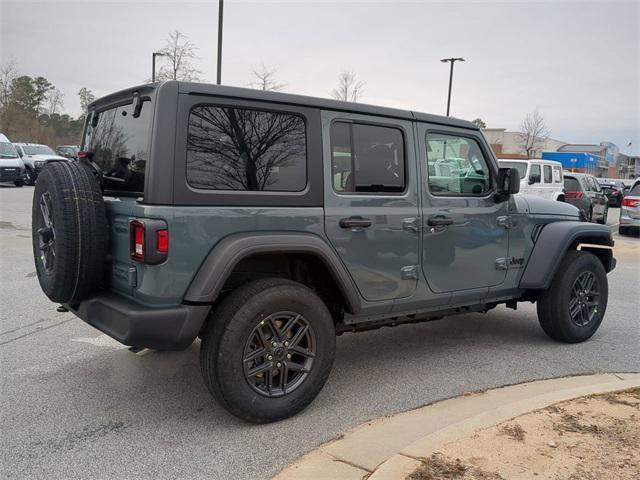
561	313
603	220
248	322
19	183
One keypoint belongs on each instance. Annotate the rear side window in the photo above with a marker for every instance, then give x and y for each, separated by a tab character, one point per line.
120	145
557	175
367	158
245	149
635	191
571	184
547	173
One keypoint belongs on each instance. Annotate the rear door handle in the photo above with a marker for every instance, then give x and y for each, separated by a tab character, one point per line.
439	221
355	223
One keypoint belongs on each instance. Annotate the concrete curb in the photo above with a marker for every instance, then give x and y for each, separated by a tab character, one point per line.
390	448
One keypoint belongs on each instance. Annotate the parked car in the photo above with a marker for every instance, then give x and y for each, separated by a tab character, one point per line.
68	151
11	167
267	223
542	178
630	211
35	156
614	190
583	191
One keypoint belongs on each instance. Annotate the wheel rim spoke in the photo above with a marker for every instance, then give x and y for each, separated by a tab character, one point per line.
584	299
279	354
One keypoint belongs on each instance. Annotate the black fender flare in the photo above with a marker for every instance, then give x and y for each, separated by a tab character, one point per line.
225	255
552	244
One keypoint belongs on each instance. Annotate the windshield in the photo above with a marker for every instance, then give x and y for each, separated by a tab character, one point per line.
120	145
522	167
7	150
37	150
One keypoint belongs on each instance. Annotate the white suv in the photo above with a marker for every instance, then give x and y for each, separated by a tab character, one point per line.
542	178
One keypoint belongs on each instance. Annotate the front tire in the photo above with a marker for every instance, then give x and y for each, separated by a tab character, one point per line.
573	307
268	350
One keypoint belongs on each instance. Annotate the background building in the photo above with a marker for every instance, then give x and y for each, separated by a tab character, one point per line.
509	144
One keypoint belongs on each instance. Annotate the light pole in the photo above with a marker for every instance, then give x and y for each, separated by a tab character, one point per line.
153	64
452	61
220	8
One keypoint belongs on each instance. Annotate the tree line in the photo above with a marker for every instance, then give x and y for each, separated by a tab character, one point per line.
31	109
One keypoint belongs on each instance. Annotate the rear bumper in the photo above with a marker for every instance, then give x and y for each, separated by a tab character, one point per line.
140	325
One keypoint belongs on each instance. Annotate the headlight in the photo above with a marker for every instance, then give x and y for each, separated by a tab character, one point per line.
40	163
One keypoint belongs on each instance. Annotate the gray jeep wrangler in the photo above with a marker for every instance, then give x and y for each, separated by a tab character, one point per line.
267	223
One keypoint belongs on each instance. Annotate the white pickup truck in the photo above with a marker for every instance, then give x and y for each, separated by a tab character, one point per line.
542	178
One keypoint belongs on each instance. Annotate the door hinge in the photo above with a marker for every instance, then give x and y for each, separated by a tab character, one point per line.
409	272
505	221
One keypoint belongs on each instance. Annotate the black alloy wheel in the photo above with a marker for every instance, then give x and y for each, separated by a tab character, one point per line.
584	300
46	234
279	354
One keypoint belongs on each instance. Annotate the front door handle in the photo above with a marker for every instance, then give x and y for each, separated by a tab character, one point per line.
355	223
439	221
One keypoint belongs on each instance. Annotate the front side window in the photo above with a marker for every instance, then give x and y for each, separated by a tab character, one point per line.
456	166
244	149
547	173
119	143
367	158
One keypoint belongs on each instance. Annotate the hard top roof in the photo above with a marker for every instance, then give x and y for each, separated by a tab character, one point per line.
300	100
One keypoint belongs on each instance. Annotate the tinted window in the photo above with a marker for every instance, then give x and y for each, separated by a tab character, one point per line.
522	167
120	144
242	149
456	166
535	173
547	173
367	158
571	184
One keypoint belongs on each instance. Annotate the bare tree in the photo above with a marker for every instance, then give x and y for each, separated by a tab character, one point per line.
55	99
8	72
349	89
478	122
179	53
241	149
86	97
533	132
265	79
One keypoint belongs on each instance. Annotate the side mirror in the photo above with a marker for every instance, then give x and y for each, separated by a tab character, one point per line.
534	178
508	182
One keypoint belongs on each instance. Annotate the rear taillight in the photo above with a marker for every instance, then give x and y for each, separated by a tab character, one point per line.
162	241
136	237
630	202
148	241
573	194
85	154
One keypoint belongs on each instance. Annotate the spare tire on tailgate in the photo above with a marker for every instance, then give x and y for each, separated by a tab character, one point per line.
69	231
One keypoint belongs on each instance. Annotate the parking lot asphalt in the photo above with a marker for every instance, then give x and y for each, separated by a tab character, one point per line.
75	404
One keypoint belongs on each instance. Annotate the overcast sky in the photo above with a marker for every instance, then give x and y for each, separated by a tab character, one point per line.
577	62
